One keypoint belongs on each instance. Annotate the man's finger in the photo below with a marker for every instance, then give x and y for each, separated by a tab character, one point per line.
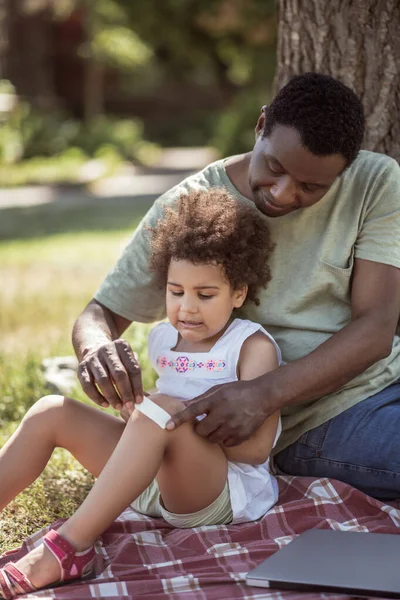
104	382
215	437
233	440
195	409
207	394
208	426
133	369
89	386
119	377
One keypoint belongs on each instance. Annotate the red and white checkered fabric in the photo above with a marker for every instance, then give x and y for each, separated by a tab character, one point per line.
146	558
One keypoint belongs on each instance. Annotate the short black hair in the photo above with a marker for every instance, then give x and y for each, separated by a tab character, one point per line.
327	114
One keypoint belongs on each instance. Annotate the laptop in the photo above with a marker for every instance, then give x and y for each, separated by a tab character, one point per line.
324	560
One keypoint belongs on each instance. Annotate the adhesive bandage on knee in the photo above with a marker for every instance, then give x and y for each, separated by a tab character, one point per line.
154	412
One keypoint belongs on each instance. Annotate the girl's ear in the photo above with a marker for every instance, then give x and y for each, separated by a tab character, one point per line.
239	296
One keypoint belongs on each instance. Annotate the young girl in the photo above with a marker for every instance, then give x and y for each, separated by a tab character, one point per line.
211	255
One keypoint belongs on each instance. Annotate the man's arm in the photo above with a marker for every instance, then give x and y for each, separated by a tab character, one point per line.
108	371
95	326
368	338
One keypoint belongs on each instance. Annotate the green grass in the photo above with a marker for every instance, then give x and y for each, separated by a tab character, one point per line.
56	494
51	262
82	213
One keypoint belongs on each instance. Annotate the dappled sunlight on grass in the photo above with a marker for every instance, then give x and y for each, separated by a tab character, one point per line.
56	494
45	282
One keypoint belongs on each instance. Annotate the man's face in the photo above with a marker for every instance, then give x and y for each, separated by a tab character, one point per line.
284	176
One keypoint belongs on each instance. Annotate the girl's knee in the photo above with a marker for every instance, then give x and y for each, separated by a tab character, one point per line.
168	403
47	407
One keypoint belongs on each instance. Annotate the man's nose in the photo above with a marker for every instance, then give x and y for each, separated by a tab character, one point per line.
283	191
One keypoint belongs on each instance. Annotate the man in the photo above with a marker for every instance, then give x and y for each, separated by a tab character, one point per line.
332	304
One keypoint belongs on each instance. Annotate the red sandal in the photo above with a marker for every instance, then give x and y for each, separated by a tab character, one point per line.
73	565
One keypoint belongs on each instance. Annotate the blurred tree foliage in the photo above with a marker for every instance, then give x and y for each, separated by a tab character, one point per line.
219	41
195	71
221	50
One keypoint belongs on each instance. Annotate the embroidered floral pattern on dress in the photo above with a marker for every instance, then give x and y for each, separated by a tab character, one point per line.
184	363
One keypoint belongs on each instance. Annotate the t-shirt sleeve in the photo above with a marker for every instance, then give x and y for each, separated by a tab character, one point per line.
379	237
130	289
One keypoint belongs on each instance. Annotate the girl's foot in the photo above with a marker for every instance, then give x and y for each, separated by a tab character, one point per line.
54	561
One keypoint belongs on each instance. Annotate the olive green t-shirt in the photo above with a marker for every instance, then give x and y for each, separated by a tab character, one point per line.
308	297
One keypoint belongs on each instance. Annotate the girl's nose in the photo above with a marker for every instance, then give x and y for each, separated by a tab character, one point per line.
188	305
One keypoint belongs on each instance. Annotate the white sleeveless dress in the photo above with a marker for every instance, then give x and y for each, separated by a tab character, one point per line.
253	489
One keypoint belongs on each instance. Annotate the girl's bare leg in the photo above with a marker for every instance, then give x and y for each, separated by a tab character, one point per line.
198	468
198	472
54	421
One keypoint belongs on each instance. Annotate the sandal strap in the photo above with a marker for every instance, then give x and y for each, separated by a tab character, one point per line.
6	589
16	579
61	549
72	563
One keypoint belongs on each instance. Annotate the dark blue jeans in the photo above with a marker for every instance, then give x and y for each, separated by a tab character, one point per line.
361	447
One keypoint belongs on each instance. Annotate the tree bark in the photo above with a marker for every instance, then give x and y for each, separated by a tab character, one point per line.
93	91
3	37
356	41
28	64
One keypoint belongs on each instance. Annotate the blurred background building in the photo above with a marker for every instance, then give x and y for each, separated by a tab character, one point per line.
115	80
81	79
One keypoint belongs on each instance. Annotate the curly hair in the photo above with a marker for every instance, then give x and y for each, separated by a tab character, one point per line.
211	227
327	114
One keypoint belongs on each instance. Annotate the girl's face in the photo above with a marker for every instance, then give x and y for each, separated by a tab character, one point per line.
200	300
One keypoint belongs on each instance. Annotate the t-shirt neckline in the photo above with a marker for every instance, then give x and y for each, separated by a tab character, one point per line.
228	182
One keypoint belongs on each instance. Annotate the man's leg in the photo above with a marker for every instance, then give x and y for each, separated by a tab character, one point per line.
361	447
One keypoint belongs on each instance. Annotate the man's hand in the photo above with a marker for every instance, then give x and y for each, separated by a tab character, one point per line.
111	374
234	412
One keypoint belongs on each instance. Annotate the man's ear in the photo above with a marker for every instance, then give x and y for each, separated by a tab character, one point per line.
239	296
261	121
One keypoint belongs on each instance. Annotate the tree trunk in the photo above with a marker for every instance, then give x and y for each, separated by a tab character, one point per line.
93	90
3	37
356	41
29	65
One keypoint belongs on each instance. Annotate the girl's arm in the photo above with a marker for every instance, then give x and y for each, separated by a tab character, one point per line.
257	357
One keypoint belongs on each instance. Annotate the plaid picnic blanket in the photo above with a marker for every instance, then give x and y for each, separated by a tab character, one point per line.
140	557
